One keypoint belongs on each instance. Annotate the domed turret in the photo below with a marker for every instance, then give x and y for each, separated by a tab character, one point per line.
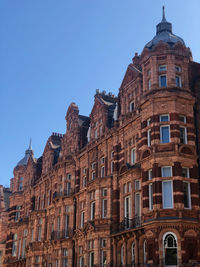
28	153
164	34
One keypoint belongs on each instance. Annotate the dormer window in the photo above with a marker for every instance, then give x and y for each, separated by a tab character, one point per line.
162	68
131	106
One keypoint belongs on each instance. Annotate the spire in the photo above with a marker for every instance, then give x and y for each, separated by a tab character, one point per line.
30	144
163	17
164	26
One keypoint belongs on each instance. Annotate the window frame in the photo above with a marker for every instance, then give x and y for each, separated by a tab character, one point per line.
161	136
160	81
185	134
172	196
189	195
162	171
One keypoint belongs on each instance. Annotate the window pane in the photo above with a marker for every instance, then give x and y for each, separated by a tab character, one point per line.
167	194
186	192
185	172
164	134
150	197
183	135
163	81
166	172
164	118
178	81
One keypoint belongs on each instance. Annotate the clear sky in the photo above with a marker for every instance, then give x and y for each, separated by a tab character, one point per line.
54	52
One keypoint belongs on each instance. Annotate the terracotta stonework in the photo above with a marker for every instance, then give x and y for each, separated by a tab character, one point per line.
120	187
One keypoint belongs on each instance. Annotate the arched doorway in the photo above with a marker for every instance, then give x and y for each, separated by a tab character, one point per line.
170	250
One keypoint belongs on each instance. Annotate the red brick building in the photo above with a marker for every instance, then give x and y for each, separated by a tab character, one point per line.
4	206
120	187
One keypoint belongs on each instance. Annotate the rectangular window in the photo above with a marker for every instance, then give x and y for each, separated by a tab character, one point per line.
150	175
183	135
148	122
182	118
65	262
19	248
84	181
131	106
102	171
167	192
111	167
82	218
103	258
127	207
137	184
186	195
102	160
91	259
39	233
24	247
164	132
178	81
149	137
166	171
149	84
137	204
92	211
104	208
162	68
93	175
96	134
81	261
150	196
163	80
185	172
133	156
129	186
14	249
66	225
164	117
104	192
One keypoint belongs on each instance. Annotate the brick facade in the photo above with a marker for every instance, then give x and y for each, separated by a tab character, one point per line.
121	187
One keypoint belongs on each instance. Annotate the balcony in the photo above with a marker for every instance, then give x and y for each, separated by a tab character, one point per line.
126	224
65	193
57	235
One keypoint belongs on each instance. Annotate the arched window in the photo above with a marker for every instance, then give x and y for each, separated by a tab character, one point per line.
170	249
133	254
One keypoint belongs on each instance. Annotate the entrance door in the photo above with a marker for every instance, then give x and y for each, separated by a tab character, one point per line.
170	250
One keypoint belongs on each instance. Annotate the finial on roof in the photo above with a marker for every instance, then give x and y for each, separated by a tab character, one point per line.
163	17
30	144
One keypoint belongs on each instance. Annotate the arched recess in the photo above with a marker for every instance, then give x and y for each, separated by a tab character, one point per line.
132	251
170	249
161	236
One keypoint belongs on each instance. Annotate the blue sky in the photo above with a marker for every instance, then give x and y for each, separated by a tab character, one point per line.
54	52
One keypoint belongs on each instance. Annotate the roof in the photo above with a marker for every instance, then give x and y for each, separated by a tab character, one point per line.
28	154
164	34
